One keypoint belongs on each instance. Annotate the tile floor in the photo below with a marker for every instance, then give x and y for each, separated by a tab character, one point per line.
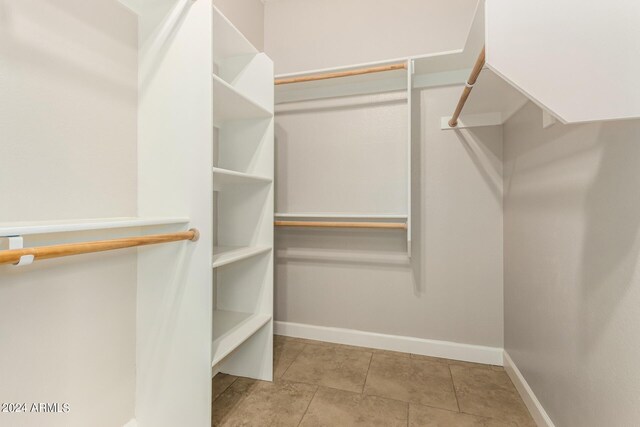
323	384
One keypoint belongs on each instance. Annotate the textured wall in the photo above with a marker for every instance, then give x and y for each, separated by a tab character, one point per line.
452	289
572	287
68	99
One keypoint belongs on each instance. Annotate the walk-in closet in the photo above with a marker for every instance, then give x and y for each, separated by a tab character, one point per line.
319	213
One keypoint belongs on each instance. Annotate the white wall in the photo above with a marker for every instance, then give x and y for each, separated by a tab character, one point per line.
452	289
303	35
68	99
247	16
572	274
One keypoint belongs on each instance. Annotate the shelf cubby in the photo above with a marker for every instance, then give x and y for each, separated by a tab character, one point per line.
227	179
230	104
223	255
228	41
231	329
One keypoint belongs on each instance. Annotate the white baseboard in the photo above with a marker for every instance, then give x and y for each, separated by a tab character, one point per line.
538	413
434	348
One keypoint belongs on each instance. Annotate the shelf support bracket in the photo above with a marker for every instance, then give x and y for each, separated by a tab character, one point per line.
17	242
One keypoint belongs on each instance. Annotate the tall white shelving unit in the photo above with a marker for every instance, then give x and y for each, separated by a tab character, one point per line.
205	152
243	159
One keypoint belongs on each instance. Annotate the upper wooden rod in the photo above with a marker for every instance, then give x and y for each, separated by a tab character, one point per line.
13	256
337	74
475	72
338	224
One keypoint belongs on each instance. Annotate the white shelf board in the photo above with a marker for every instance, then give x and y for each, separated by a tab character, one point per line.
63	226
229	104
337	215
224	178
223	255
231	329
228	41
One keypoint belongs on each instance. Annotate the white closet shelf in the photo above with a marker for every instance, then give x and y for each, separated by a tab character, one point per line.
223	255
63	226
224	178
231	329
336	215
229	104
228	41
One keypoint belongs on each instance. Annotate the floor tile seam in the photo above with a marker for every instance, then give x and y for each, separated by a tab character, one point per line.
294	360
490	417
225	389
308	405
453	384
366	377
405	401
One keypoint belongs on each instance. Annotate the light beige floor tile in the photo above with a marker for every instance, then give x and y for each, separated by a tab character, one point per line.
284	353
411	380
430	358
489	393
260	403
228	404
220	383
391	353
331	407
424	416
277	338
474	365
330	366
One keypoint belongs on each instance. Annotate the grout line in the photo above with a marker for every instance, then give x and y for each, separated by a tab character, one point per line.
453	384
366	377
309	404
408	409
293	361
225	389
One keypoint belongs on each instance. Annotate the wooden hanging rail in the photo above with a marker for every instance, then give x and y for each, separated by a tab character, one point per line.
337	224
13	256
338	74
475	72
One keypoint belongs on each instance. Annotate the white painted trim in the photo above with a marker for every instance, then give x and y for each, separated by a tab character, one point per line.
425	347
472	121
538	413
131	423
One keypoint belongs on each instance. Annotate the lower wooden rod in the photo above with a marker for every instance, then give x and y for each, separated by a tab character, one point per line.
337	74
475	72
334	224
13	256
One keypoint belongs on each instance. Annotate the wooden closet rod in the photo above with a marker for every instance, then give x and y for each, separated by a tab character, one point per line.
475	72
337	74
337	224
12	256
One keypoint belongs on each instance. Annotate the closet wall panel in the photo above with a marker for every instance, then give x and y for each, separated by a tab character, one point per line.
68	100
451	288
346	155
572	269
